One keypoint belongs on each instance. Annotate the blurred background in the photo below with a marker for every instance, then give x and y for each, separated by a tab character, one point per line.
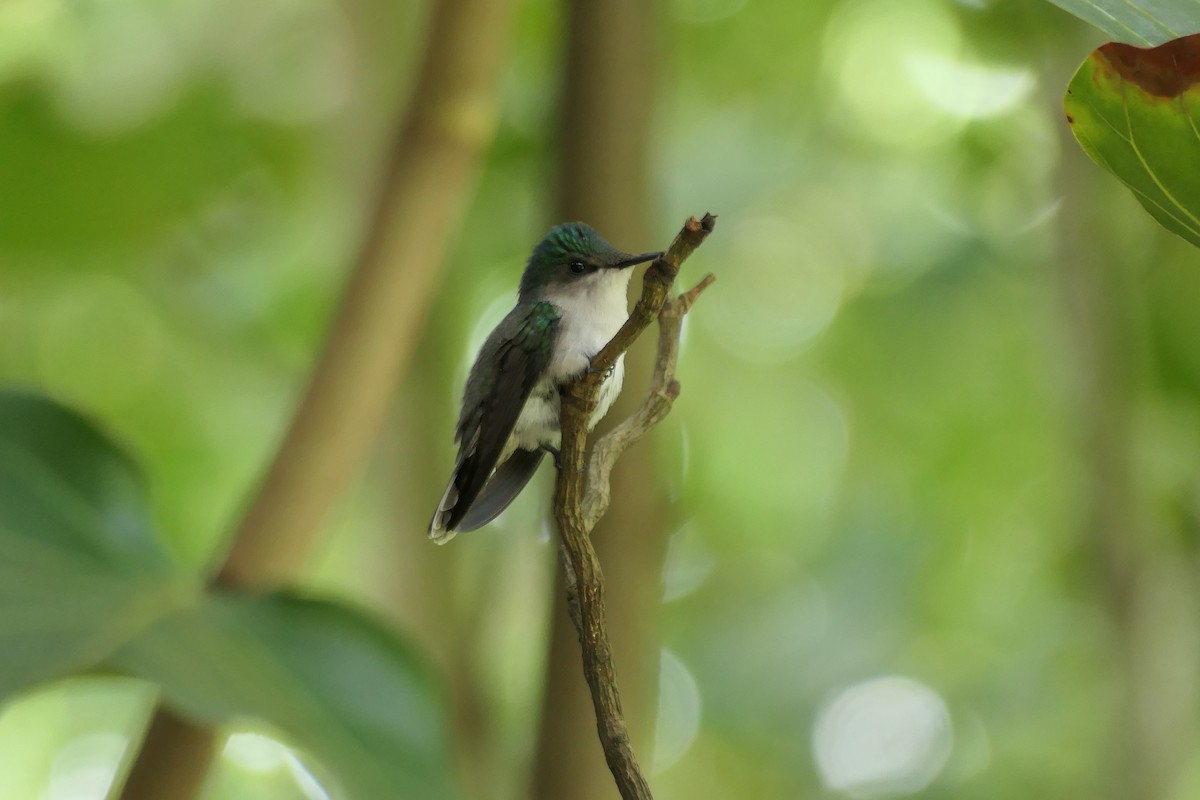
925	518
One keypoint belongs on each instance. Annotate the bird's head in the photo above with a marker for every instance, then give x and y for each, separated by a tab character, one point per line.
574	253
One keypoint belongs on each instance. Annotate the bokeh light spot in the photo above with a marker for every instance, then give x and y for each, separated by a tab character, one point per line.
883	737
970	91
867	46
254	752
678	711
294	61
28	30
122	70
788	290
261	754
689	563
85	766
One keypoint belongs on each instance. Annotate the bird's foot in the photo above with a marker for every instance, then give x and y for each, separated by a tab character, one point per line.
553	451
557	455
608	373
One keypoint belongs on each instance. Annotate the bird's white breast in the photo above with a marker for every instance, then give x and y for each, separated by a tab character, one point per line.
593	310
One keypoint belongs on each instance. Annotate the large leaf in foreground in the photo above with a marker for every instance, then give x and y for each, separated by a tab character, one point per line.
331	679
84	585
80	571
1136	111
1147	22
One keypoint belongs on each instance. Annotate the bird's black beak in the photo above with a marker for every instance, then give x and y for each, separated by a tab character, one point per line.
639	259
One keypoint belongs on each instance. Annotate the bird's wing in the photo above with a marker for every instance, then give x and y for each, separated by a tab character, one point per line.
509	364
505	484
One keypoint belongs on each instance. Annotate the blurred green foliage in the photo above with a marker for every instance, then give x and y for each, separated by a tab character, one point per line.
887	576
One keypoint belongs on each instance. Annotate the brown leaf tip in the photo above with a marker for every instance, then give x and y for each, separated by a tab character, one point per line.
1164	71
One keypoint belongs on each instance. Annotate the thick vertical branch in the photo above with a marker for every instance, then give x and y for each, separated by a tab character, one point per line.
423	187
1104	440
426	182
573	497
1153	719
606	106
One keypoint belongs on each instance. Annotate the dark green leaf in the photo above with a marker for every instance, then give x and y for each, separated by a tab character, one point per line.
331	679
1147	22
80	571
1135	111
83	583
81	461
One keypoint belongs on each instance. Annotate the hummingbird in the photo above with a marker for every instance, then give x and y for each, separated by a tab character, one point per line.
571	302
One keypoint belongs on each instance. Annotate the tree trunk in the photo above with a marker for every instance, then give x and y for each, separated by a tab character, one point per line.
1141	580
427	177
603	176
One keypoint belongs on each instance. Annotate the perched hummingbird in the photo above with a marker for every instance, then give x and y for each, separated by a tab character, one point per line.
571	302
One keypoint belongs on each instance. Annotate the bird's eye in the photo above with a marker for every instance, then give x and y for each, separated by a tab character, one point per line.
577	266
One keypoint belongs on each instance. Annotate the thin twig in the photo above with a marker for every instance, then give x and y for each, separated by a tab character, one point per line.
579	503
656	286
654	408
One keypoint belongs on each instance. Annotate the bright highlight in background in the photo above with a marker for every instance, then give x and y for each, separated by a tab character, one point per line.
881	738
85	766
678	712
761	316
254	752
966	90
866	48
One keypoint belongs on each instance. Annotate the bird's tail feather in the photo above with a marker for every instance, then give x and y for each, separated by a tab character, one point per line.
501	489
439	528
505	484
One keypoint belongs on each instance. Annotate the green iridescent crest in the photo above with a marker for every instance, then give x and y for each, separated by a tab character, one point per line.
574	239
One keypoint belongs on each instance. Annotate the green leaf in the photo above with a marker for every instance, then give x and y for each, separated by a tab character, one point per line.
76	456
334	681
1146	22
1136	112
80	570
84	584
